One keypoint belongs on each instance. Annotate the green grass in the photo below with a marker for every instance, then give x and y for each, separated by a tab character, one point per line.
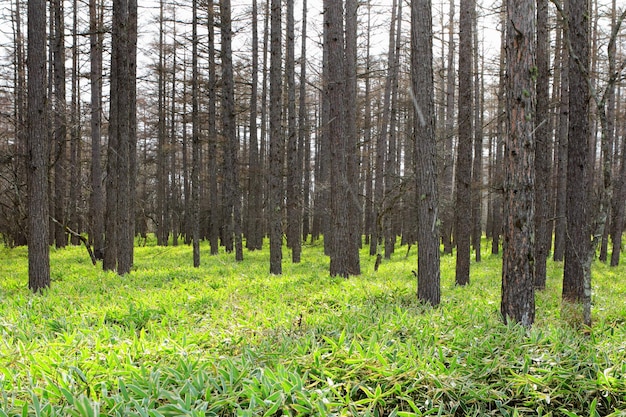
230	339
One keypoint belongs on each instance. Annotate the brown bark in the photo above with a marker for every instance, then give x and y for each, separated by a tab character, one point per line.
38	151
578	162
428	272
518	298
464	148
96	202
542	143
276	157
255	190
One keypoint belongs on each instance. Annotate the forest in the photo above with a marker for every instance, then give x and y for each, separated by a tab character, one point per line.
281	207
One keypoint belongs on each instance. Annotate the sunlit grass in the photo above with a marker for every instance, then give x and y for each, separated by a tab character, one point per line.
228	338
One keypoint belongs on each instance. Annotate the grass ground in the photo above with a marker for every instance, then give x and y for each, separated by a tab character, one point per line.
230	339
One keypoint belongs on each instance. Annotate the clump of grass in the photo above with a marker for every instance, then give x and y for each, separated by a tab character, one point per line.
230	339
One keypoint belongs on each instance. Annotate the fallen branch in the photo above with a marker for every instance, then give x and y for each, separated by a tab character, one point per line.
79	236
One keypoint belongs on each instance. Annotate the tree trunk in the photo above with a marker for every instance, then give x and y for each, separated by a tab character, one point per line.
351	134
38	150
214	212
60	125
496	186
561	158
518	298
195	141
276	144
578	162
381	172
75	135
428	273
294	176
542	144
232	226
162	223
344	260
254	239
304	138
446	196
464	148
96	202
477	163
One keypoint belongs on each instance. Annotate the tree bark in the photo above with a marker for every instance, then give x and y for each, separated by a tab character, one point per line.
344	259
518	298
294	176
464	148
276	143
195	141
578	162
60	123
232	225
255	190
428	272
38	150
542	143
96	202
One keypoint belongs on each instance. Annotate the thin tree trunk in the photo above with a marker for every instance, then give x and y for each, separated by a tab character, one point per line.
542	143
276	144
562	147
464	148
381	145
294	177
229	127
304	142
195	140
75	132
351	136
477	164
60	125
255	189
162	186
214	211
578	158
38	151
96	202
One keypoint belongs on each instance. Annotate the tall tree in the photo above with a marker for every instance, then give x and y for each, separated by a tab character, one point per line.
162	217
119	242
344	255
75	170
276	157
462	228
195	140
255	189
578	162
447	169
304	138
214	197
294	177
60	124
560	225
518	298
38	151
351	133
428	273
477	163
381	144
232	227
96	201
542	143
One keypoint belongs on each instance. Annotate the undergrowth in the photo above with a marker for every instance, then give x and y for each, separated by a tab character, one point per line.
228	339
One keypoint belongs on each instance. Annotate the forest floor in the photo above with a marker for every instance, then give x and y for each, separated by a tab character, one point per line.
228	339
